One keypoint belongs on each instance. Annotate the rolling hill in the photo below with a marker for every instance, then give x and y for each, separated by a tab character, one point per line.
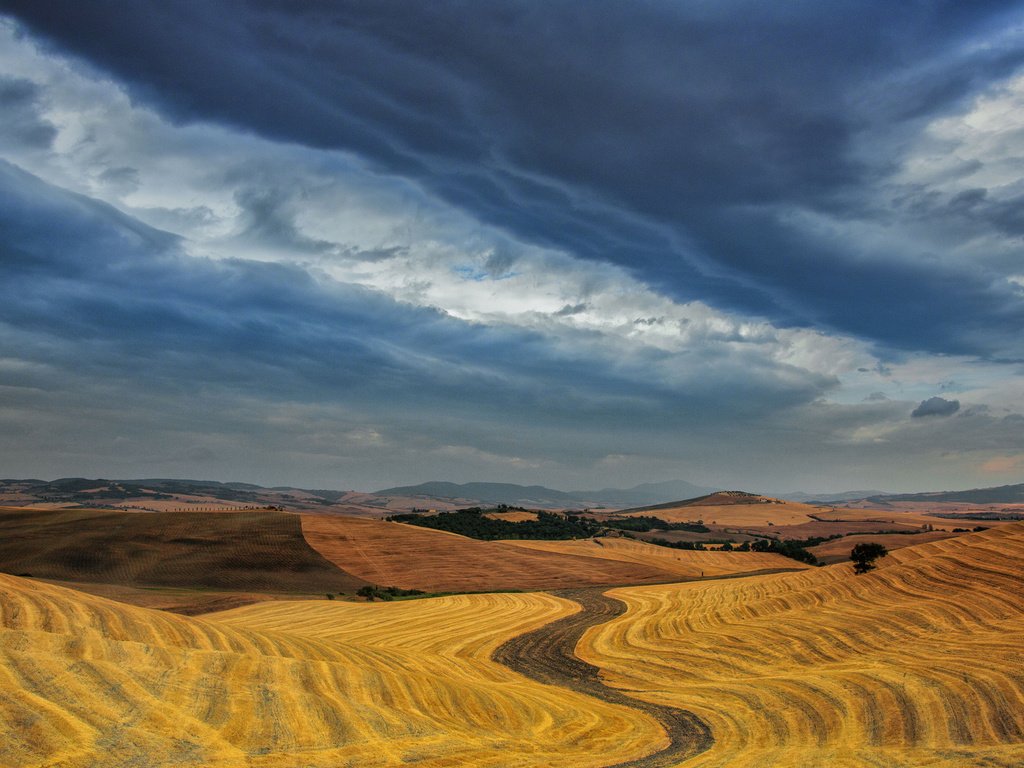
917	663
1003	494
731	508
228	551
683	564
436	561
88	682
165	494
548	498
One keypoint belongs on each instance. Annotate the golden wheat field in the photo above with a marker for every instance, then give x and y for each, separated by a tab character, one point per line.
87	682
776	513
920	663
683	564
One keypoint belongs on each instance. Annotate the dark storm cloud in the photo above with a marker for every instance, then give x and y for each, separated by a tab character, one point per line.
91	291
909	303
671	139
936	406
569	310
20	122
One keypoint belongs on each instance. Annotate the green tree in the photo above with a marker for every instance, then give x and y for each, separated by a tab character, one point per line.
865	554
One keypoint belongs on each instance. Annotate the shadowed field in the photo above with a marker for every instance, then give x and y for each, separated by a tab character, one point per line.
226	551
419	558
89	682
684	564
919	663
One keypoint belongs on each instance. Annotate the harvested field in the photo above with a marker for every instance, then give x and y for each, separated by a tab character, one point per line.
917	663
514	516
829	528
547	654
684	564
88	682
716	534
222	551
911	518
784	513
406	556
838	550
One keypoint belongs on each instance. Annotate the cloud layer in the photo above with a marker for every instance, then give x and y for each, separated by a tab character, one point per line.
511	241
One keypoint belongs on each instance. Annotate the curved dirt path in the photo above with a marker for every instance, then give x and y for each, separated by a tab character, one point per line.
548	655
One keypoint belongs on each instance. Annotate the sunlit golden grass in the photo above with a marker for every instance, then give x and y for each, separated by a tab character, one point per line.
90	682
684	564
920	663
775	513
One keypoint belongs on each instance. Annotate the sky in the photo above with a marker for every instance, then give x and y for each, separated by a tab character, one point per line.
350	245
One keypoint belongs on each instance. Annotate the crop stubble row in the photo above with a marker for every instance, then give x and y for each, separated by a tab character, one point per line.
918	663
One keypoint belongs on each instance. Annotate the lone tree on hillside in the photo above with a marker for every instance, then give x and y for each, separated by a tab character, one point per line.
864	556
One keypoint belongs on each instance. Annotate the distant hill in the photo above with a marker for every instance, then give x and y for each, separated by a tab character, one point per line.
141	492
645	493
539	496
488	493
80	489
1003	494
832	497
716	499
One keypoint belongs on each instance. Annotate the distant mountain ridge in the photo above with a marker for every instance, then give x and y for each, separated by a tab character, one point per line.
107	492
1002	494
830	497
84	491
538	495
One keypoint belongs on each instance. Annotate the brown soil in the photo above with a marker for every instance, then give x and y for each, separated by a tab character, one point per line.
828	527
244	552
717	533
838	550
393	554
548	655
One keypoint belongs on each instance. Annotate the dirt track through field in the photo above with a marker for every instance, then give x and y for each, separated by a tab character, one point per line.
548	655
